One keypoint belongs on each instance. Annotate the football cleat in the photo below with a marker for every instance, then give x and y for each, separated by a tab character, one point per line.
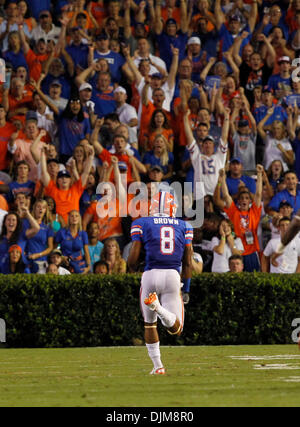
158	371
152	301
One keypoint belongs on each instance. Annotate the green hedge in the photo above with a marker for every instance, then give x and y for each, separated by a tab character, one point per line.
93	310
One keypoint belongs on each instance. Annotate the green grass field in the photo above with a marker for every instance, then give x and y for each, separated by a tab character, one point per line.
119	377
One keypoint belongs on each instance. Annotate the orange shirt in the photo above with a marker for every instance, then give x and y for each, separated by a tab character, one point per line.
5	133
209	26
34	63
66	200
99	11
105	156
147	111
111	224
150	137
24	102
175	14
243	222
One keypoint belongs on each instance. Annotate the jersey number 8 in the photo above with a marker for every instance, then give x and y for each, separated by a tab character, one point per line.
167	243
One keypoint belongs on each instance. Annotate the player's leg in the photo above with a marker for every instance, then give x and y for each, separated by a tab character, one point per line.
172	309
150	323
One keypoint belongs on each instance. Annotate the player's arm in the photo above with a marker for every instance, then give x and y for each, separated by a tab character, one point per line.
134	255
187	268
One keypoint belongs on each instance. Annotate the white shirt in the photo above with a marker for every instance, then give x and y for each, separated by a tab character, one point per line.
169	92
221	262
206	168
288	261
38	33
272	151
155	59
126	113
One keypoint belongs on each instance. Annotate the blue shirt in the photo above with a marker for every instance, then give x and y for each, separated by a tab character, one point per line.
279	114
37	6
227	38
39	242
284	195
275	82
16	59
79	54
164	42
151	159
71	247
15	188
104	102
70	132
115	62
233	184
164	240
65	85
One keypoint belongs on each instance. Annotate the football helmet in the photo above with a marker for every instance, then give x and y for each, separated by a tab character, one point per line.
163	204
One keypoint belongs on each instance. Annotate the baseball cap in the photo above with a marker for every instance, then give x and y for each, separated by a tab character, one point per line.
156	76
194	40
235	18
236	159
55	83
171	21
31	115
85	86
243	123
284	59
209	138
102	36
122	167
285	203
52	160
156	168
64	173
44	12
120	89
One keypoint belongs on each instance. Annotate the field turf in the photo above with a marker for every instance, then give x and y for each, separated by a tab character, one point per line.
224	376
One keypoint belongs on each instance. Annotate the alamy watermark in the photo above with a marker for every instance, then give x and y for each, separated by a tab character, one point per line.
136	201
2	331
296	332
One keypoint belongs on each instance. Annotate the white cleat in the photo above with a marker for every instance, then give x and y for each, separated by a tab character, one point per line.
152	301
158	371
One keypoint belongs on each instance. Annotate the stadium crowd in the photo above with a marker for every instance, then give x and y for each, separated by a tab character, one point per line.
95	93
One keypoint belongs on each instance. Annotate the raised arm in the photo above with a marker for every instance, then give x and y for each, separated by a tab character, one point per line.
87	165
159	25
259	185
34	147
45	177
184	21
261	124
226	124
187	128
174	67
95	136
226	196
219	15
121	191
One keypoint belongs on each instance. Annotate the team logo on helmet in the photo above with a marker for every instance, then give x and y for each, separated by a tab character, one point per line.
163	204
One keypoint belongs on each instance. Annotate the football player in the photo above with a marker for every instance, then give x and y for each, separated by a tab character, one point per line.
167	243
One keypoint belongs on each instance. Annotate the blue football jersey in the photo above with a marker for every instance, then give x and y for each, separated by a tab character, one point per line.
164	240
